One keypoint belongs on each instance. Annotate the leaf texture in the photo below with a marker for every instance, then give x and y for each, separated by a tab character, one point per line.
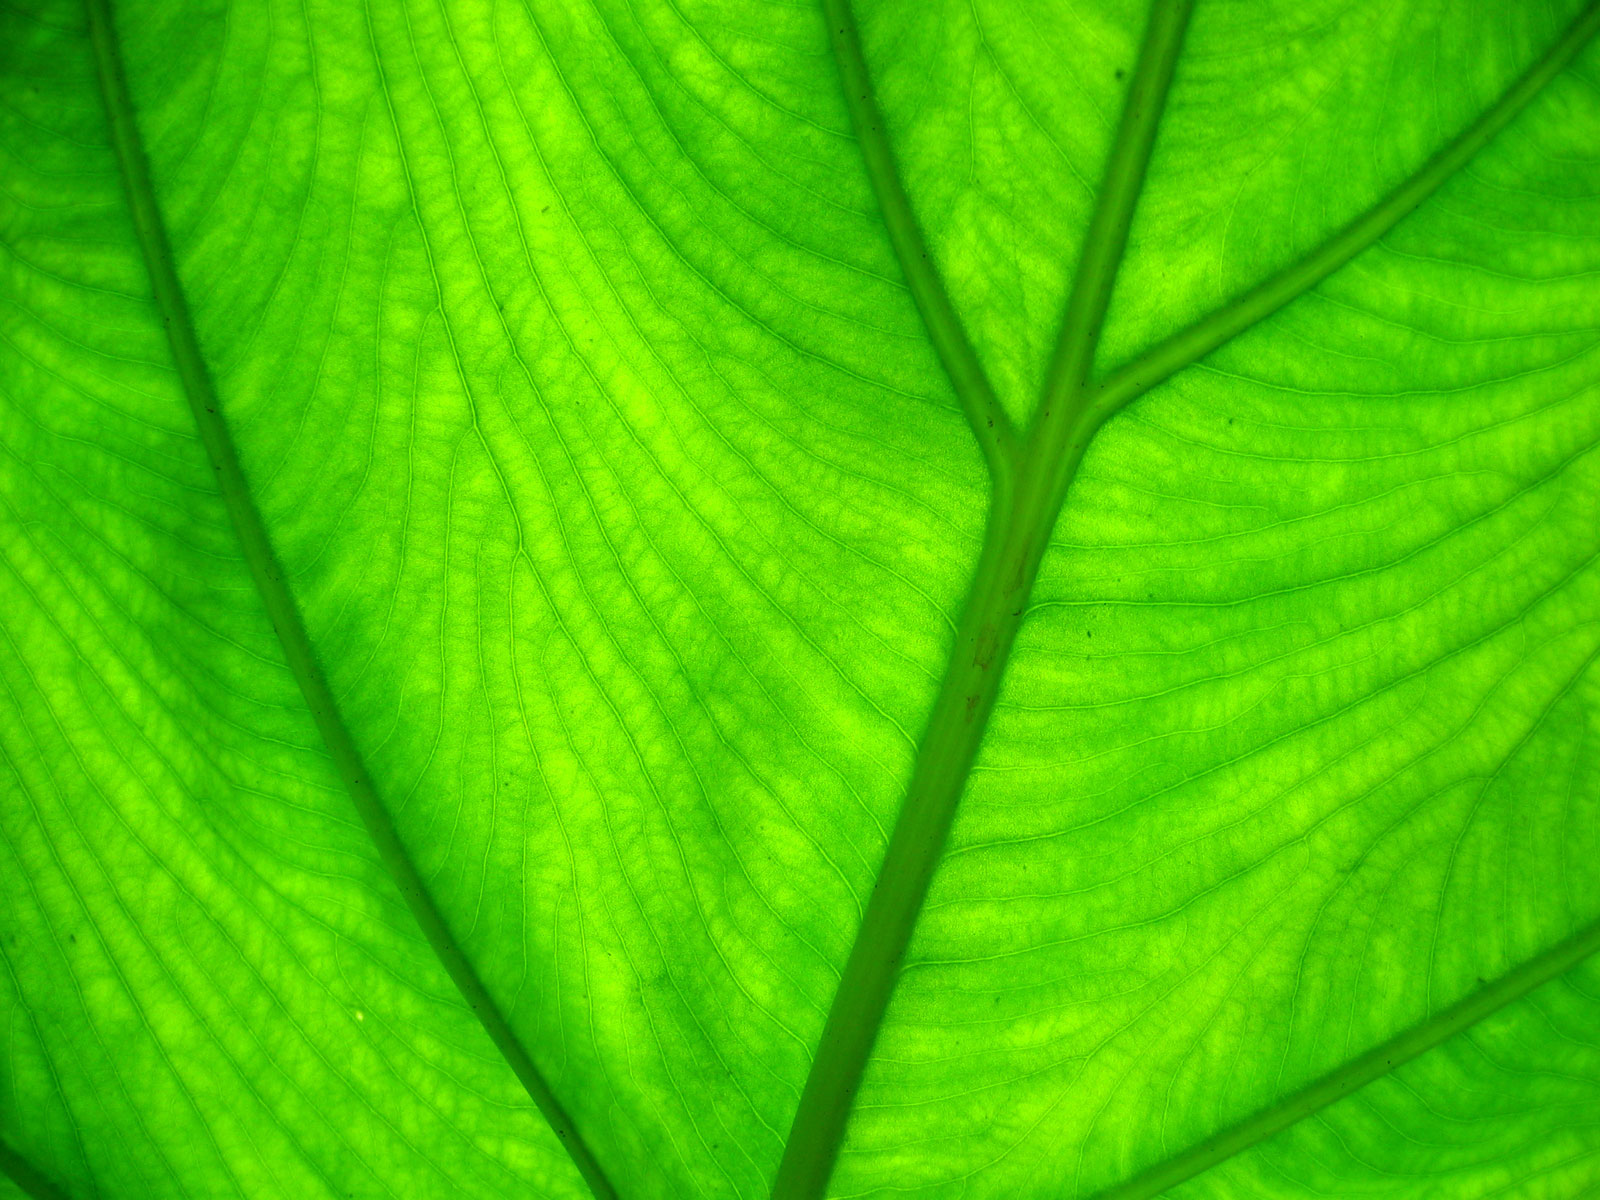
630	512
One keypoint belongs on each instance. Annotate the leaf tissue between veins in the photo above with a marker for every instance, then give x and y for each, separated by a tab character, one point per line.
646	598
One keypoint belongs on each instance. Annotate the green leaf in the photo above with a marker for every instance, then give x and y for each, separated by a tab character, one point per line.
541	542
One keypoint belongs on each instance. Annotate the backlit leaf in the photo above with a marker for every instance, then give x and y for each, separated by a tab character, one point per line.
618	466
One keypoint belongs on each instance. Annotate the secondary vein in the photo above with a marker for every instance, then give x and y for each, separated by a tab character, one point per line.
1190	345
280	605
1107	237
990	423
1360	1071
1066	422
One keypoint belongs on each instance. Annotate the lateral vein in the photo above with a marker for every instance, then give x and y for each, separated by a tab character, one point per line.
1107	237
1182	349
280	605
1066	420
1360	1071
990	423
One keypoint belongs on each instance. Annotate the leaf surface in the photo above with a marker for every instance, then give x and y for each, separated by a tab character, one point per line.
630	512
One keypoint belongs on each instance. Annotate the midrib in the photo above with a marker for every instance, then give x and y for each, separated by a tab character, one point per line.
1030	478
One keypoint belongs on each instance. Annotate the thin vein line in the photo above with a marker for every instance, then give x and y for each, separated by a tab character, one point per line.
1189	346
989	421
279	603
1362	1070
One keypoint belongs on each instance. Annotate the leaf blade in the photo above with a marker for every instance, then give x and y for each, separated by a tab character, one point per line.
646	700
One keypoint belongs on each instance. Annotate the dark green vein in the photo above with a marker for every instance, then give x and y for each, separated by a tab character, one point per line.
279	602
26	1176
1107	237
1021	518
1190	345
988	419
1066	420
1360	1071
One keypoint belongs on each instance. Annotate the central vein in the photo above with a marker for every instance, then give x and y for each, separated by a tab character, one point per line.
1029	482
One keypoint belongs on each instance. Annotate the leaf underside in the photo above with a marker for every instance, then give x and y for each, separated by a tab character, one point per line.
611	452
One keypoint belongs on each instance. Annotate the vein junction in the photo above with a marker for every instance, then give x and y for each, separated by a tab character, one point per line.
1030	477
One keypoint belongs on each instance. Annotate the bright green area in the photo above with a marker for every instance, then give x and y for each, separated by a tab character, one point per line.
631	515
